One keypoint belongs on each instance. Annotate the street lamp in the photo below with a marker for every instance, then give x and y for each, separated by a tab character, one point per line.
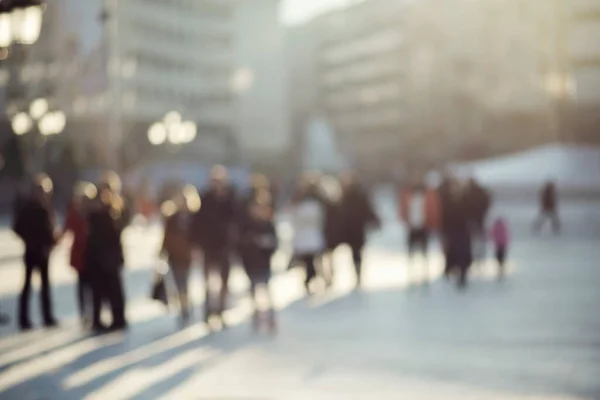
172	130
20	21
48	122
21	123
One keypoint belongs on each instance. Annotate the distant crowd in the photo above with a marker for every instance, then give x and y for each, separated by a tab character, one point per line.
218	223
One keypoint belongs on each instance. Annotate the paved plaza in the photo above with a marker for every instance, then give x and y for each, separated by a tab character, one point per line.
533	335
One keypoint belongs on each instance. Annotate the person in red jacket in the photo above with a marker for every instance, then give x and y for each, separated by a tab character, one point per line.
420	213
76	225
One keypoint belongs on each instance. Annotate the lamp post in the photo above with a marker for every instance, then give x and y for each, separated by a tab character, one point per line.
37	124
172	130
20	21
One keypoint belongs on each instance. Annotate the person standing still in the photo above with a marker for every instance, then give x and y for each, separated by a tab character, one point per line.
35	224
76	225
107	218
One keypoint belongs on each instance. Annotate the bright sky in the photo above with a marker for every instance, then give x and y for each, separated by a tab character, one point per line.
297	11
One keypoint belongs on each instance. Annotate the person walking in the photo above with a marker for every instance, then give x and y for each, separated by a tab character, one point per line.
356	216
420	213
308	221
107	218
548	208
35	224
258	242
76	225
500	235
177	244
214	230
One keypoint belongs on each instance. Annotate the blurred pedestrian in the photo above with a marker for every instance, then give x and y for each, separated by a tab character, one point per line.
258	242
479	201
458	221
548	208
76	224
420	213
500	235
35	224
308	221
177	244
356	216
332	196
107	218
214	231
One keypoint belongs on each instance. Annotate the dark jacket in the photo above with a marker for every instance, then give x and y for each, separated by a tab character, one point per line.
258	242
176	242
34	223
355	215
214	225
446	205
104	250
478	201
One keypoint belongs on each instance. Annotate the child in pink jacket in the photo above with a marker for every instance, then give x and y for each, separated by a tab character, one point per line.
500	236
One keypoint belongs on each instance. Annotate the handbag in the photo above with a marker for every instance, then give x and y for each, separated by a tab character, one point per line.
159	285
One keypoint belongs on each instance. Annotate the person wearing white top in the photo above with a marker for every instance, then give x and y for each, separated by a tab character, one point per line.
308	219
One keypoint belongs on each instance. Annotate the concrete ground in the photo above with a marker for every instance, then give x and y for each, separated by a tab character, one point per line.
533	335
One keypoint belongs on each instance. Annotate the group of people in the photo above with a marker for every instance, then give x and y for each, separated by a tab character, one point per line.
96	218
457	212
218	224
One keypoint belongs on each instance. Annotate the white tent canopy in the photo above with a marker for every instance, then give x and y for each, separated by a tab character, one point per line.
571	167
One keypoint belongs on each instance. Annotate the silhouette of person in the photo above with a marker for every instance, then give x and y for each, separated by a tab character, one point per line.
355	217
548	208
214	231
35	224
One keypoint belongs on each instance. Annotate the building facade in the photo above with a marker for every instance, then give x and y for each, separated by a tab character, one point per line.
361	77
116	67
583	44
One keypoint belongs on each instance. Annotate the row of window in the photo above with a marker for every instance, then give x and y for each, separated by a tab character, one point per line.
371	118
173	34
381	92
214	9
365	70
385	41
214	71
195	100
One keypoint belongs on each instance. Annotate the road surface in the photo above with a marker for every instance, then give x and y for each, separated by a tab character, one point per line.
533	335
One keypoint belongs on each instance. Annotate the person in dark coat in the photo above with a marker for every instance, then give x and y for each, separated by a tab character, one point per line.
479	201
548	208
35	224
107	218
356	215
446	203
76	224
258	243
214	230
458	222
